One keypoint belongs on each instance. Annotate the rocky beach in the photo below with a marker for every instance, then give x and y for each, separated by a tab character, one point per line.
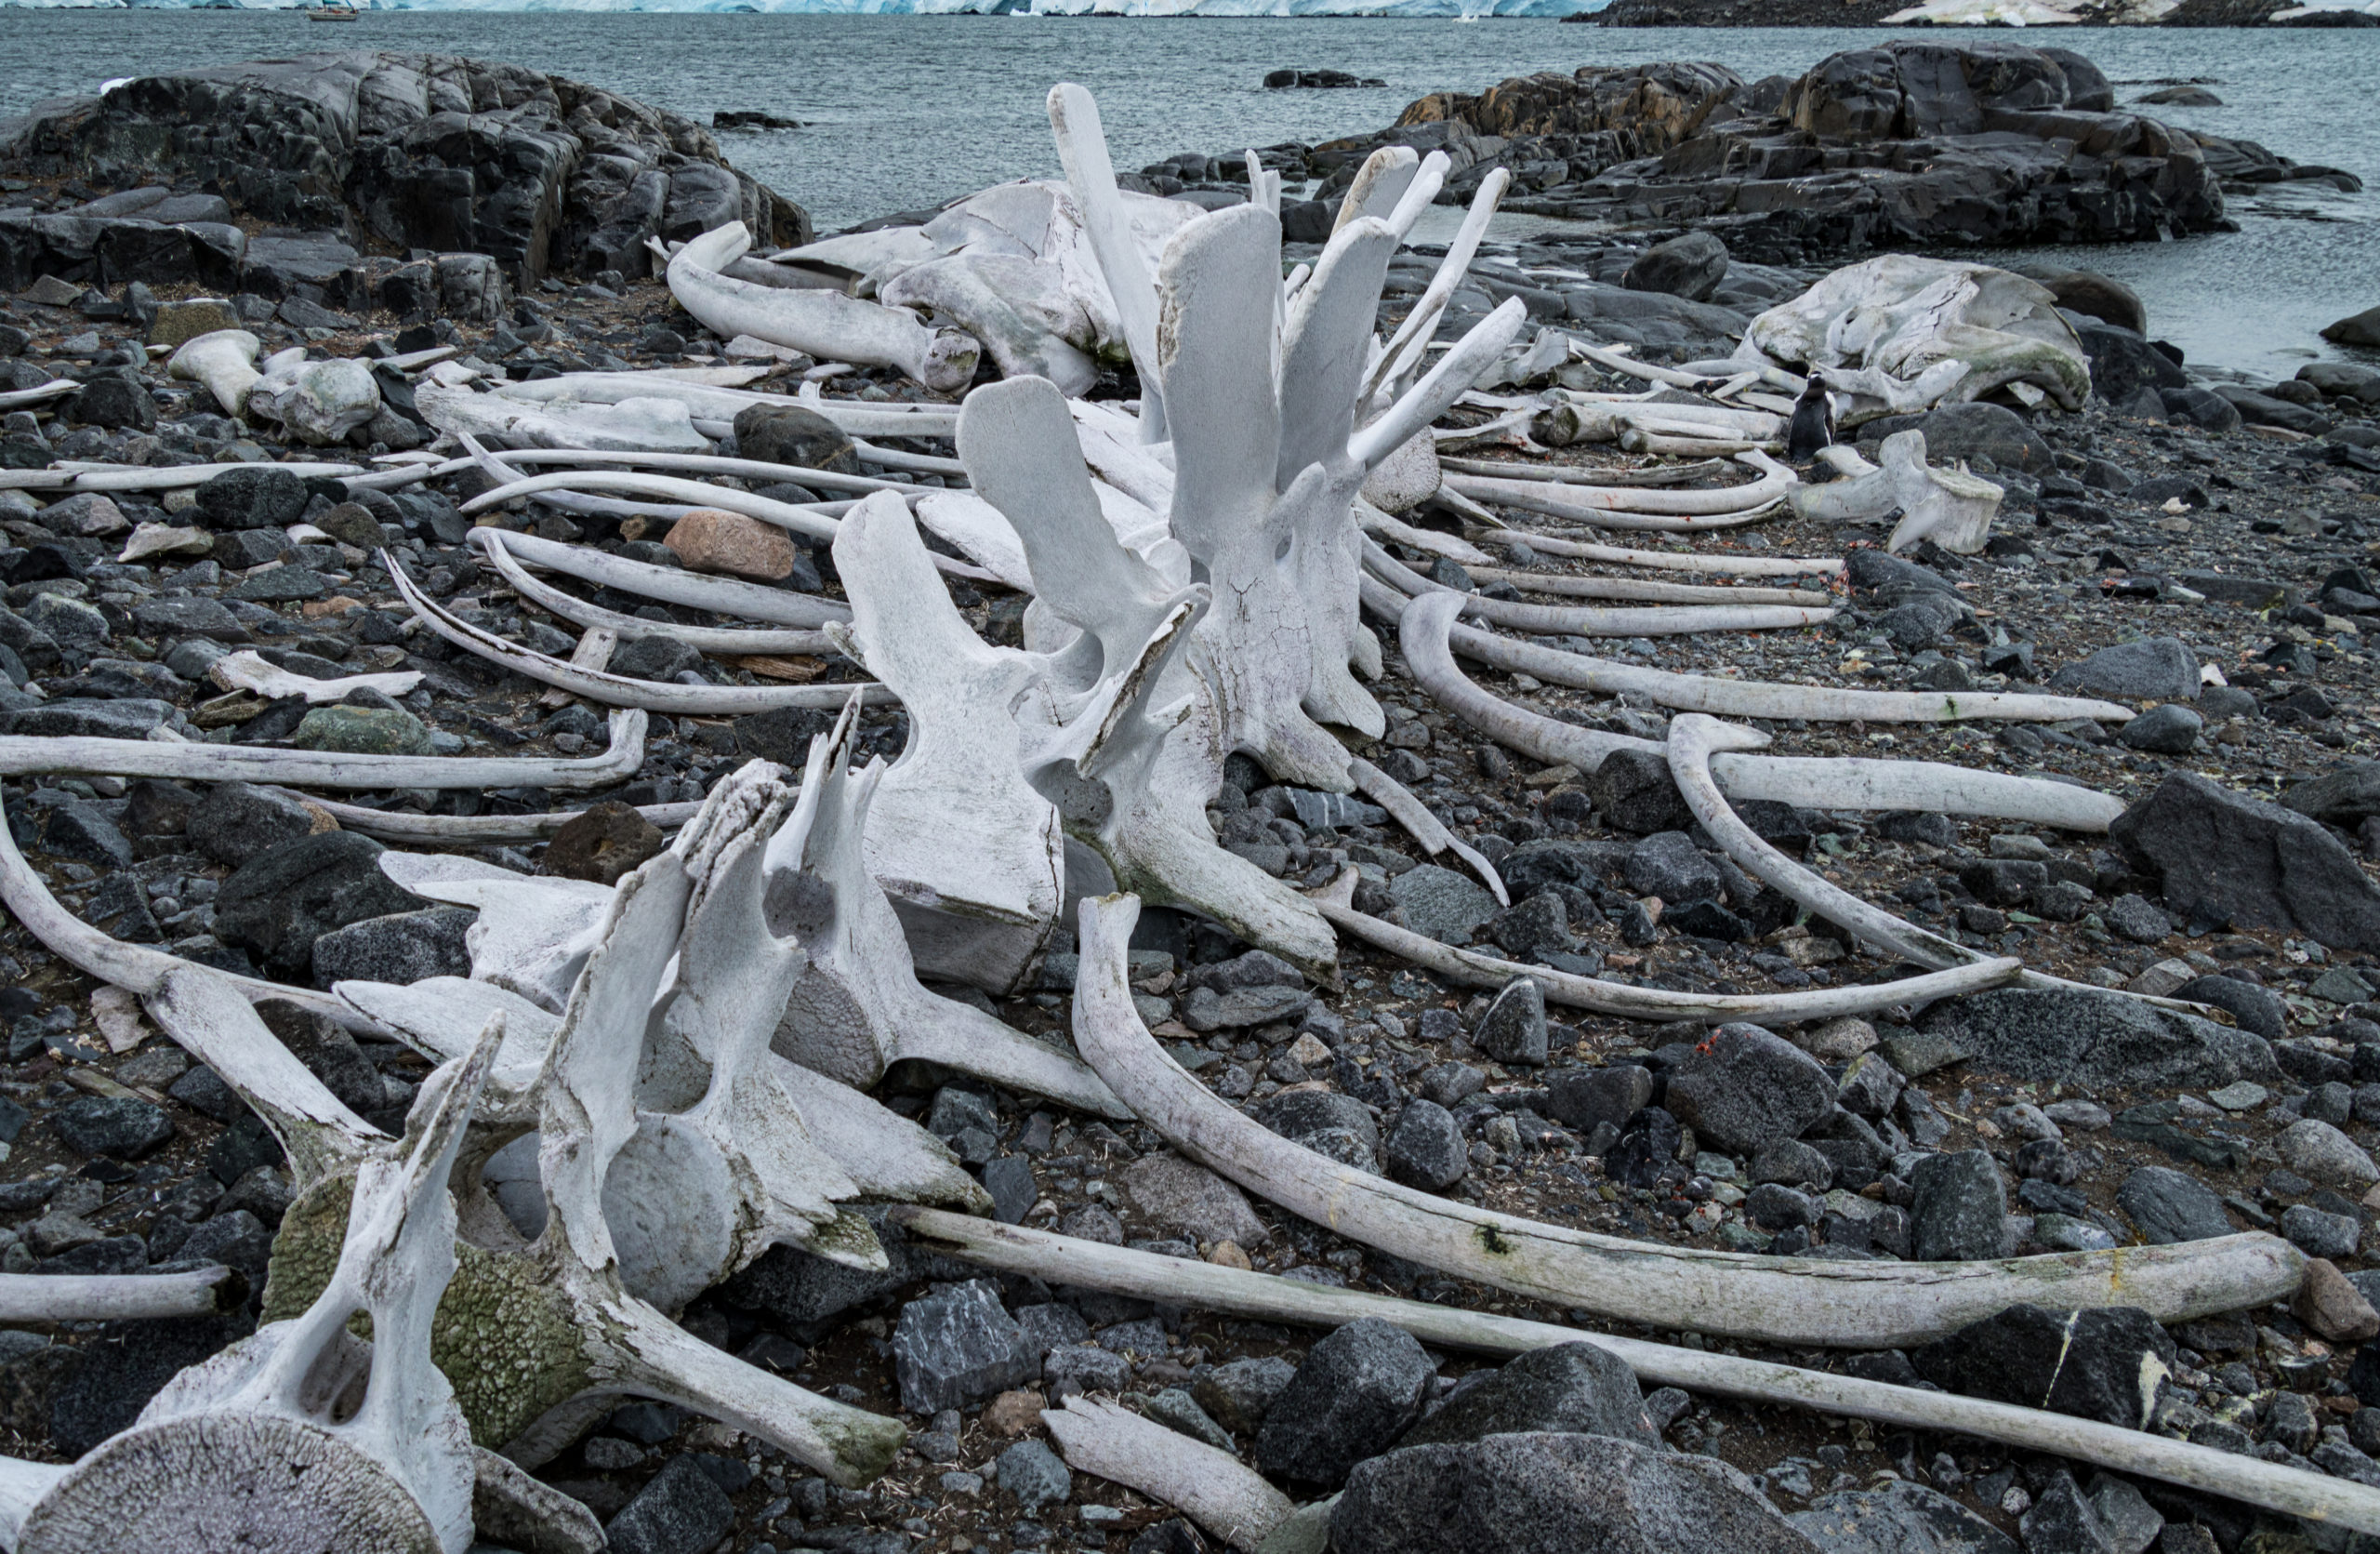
407	242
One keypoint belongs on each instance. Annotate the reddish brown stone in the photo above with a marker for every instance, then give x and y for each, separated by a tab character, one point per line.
709	541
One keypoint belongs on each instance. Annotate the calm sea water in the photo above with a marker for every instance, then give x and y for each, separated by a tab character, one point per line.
904	110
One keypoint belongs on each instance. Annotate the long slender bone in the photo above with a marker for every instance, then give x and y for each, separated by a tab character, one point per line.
1270	1297
654	422
825	323
705	391
1082	152
1213	1488
1831	782
1598	504
1578	474
266	1445
1404	352
1692	740
1654	1004
1666	561
784	515
391	825
1642	589
36	1297
714	464
615	690
1659	621
1407	810
1789	1300
722	595
579	612
22	756
1758	698
860	1009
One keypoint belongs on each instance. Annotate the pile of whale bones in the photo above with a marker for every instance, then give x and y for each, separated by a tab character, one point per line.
684	1059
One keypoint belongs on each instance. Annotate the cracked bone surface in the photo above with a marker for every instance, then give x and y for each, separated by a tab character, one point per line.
1785	1300
224	362
1950	507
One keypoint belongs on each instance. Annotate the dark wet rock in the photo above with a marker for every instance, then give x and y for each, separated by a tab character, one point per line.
236	821
1971	431
1180	1197
2167	1205
1567	1387
2165	730
1445	906
602	843
52	821
789	434
403	947
1690	266
1586	1098
1033	1473
1513	1031
1238	1393
1523	1493
957	1347
1897	1518
1741	1088
2252	863
681	1510
122	1127
1960	1209
280	901
2256	1009
1634	791
1358	1391
1425	1149
2095	1039
2108	1363
2153	669
1335	1125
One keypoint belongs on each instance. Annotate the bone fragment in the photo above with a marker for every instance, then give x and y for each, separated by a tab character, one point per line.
1213	1488
191	762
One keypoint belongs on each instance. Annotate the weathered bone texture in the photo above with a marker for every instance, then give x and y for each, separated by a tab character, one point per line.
1654	621
1643	589
1920	330
825	323
1213	1488
223	361
1655	1004
1788	1300
709	638
859	1008
613	690
1834	782
714	464
1269	1297
973	858
1611	506
23	755
652	422
267	1445
1950	507
317	402
36	1297
723	595
246	672
1734	566
1761	698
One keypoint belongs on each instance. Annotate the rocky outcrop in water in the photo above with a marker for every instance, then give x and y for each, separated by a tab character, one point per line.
1905	144
415	151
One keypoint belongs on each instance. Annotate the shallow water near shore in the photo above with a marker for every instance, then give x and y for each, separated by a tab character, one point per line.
903	111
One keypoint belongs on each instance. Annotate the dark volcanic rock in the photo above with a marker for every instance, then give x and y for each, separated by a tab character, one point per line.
2096	1039
1898	1518
279	902
1357	1391
602	843
421	150
1742	1088
2255	864
1568	1387
124	1366
958	1346
2108	1363
1534	1494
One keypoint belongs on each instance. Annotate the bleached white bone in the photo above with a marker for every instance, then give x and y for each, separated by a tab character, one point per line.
1407	810
859	1008
958	837
1213	1488
1018	308
224	362
1950	507
246	672
1404	352
1828	782
613	690
191	762
1645	589
579	612
1602	506
51	1297
714	464
1588	622
825	324
709	392
396	825
1787	1300
267	1445
731	596
1270	1297
1758	698
316	402
1667	561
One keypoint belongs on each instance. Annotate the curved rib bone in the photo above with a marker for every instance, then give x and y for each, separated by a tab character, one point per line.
615	690
825	323
1213	1488
1591	504
721	595
245	671
1788	1300
1666	561
1654	1004
1269	1297
1835	783
579	612
1659	621
1641	589
1759	699
394	825
82	755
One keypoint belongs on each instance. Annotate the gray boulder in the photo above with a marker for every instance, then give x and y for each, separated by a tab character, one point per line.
2096	1039
2166	1206
957	1346
1960	1209
1569	1387
1691	267
1897	1518
1425	1149
1741	1088
2256	864
2153	669
402	947
2107	1363
1542	1493
1445	906
1358	1391
280	901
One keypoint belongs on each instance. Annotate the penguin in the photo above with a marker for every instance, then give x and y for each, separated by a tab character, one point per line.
1813	426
